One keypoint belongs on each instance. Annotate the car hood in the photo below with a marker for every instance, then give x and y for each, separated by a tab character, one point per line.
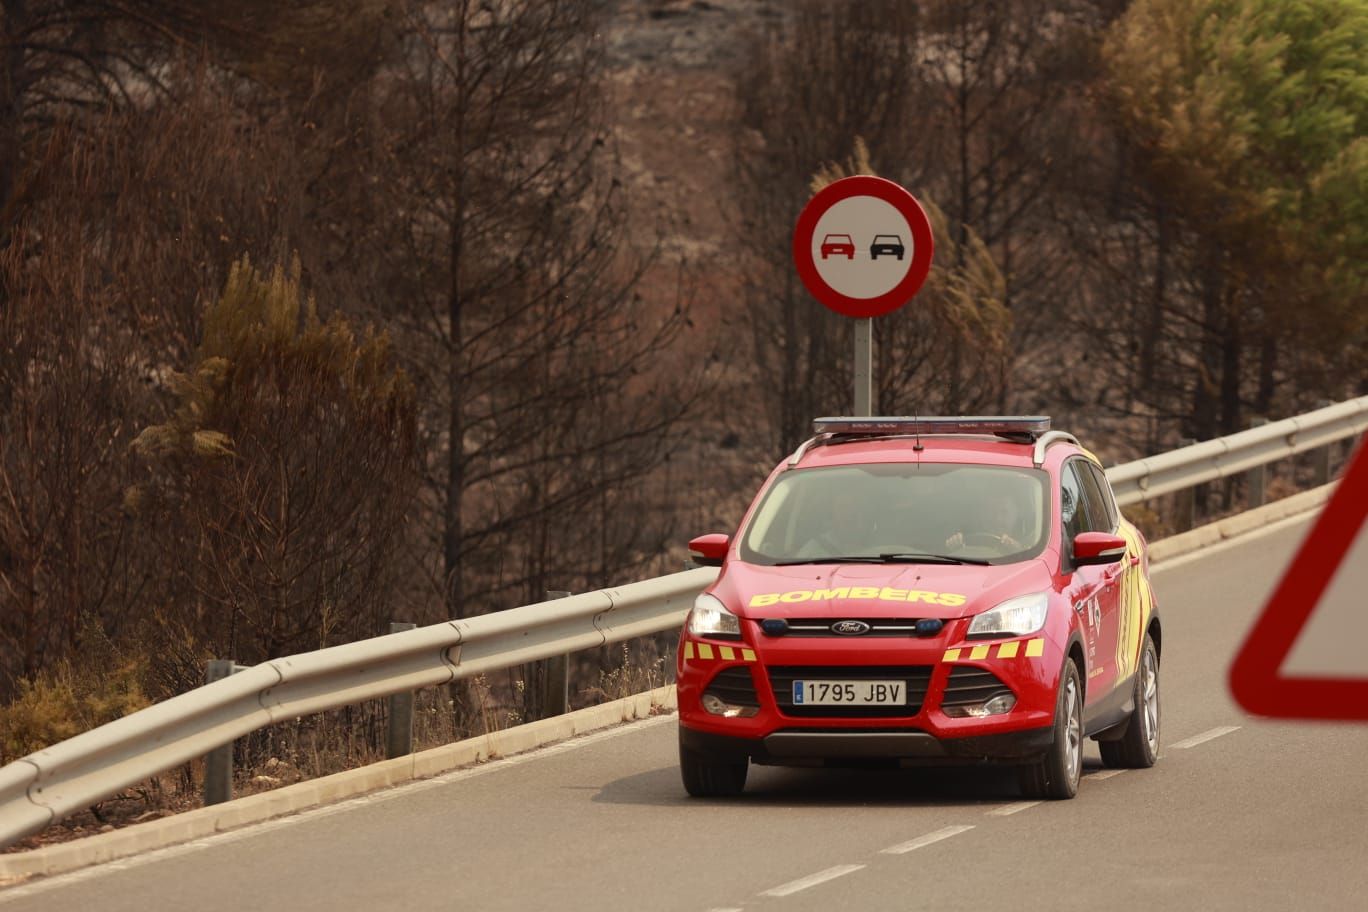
874	590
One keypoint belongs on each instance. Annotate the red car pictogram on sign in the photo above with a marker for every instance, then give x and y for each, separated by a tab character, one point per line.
838	245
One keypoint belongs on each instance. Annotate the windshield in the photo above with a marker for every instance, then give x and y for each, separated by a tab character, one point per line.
910	512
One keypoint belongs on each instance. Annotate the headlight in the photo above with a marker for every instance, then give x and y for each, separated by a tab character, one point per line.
1014	617
710	618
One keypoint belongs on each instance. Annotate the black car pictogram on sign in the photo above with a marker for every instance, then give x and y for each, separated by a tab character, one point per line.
886	245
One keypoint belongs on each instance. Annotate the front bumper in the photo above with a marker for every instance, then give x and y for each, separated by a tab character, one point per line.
781	733
806	746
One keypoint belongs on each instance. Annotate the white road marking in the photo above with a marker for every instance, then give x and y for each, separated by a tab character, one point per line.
812	880
1205	737
922	841
1104	774
1008	810
277	823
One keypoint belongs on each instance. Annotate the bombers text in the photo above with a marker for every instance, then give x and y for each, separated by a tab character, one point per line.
875	593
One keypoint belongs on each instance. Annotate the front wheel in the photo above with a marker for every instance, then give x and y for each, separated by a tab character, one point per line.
708	778
1055	776
1138	747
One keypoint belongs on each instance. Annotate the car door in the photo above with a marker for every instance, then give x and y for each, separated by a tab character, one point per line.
1091	590
1102	517
1132	588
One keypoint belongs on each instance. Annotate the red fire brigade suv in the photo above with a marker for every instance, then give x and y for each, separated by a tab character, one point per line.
933	590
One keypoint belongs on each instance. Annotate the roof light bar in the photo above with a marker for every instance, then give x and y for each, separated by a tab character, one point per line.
1005	425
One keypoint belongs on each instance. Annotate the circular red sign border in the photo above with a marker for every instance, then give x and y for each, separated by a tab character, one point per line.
923	245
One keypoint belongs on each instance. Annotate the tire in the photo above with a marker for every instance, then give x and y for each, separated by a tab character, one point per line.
706	778
1056	775
1138	747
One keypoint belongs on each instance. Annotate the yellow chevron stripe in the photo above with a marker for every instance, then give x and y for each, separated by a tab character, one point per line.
1008	650
1135	606
727	653
951	655
704	651
1035	648
980	652
747	655
688	649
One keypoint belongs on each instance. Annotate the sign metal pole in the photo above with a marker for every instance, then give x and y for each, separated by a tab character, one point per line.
863	248
864	367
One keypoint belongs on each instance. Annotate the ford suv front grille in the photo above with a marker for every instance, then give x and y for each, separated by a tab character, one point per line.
876	627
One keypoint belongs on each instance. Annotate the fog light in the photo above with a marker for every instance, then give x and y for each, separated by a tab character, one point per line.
719	707
998	705
995	706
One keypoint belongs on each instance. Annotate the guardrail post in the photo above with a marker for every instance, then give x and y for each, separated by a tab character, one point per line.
1320	457
1257	478
1184	501
399	734
218	763
556	680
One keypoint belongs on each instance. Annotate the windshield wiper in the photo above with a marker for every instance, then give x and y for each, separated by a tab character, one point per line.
892	557
917	557
834	559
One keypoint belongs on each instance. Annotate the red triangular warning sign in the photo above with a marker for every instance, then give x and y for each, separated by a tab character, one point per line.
1256	677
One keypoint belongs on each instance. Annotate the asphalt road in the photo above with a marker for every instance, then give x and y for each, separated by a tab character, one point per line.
1238	814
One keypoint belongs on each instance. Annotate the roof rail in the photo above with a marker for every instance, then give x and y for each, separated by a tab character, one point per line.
1043	444
807	445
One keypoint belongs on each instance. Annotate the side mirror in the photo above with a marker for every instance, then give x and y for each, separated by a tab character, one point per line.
1091	548
709	550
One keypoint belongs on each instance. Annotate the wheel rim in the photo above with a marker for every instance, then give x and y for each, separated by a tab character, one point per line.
1149	682
1074	734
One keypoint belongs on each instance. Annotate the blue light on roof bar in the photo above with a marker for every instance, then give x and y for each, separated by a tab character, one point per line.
1034	425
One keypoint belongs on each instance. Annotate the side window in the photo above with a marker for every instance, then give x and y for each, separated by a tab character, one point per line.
1105	500
1098	520
1073	512
1091	512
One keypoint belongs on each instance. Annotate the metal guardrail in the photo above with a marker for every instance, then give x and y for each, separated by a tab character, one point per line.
63	778
1212	459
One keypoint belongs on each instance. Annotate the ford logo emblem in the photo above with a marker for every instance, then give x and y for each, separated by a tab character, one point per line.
849	628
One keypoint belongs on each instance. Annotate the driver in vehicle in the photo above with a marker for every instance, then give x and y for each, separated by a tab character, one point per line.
998	524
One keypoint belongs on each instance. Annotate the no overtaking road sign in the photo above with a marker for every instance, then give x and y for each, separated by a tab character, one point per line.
863	246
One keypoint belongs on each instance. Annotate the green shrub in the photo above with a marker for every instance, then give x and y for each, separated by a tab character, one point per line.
64	701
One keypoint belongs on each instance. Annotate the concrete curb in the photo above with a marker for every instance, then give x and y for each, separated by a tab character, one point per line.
1237	525
197	824
202	822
